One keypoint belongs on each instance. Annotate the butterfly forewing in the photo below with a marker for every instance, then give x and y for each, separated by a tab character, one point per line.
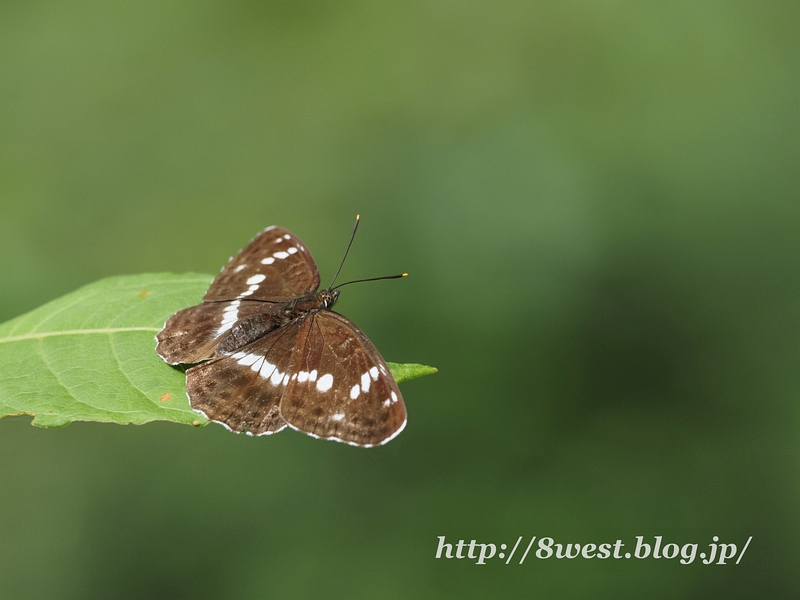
275	267
243	390
340	387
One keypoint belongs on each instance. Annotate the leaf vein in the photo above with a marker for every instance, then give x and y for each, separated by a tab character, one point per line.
61	383
122	370
45	334
59	311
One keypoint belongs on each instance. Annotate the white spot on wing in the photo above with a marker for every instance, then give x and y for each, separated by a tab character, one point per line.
394	397
252	289
267	261
287	237
276	378
248	359
313	375
267	369
256	279
373	372
365	382
355	391
387	402
337	416
291	250
302	376
239	268
325	382
229	317
280	254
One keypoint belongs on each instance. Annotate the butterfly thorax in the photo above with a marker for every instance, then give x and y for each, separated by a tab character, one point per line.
305	304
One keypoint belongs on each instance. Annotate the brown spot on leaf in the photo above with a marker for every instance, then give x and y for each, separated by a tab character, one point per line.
144	293
166	397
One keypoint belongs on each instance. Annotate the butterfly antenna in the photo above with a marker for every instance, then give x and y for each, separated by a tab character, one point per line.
372	279
352	237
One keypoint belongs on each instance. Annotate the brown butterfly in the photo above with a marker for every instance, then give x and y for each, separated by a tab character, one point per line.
273	354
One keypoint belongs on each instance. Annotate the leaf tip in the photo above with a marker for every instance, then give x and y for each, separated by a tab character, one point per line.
404	372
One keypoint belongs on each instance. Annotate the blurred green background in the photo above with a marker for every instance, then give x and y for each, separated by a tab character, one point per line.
597	203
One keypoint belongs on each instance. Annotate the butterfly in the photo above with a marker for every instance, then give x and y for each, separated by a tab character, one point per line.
272	353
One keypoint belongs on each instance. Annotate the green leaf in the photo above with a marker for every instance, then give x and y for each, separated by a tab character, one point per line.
409	371
90	355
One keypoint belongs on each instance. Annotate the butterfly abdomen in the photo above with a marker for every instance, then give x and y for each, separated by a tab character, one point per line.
248	331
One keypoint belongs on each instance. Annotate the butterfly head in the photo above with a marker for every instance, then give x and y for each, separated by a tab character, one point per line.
327	298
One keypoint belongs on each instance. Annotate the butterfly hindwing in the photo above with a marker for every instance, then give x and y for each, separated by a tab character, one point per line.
340	387
243	390
274	267
192	334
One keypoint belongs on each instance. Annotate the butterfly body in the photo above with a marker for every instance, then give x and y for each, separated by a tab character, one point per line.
273	354
251	329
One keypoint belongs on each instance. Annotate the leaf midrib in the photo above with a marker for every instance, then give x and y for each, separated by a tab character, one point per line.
44	334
